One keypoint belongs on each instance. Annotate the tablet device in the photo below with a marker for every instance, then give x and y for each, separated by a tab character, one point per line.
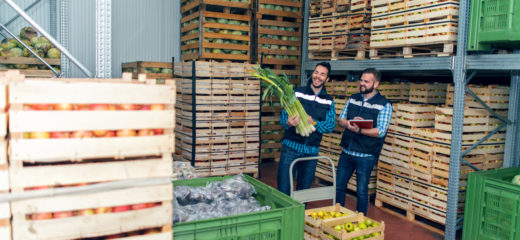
362	123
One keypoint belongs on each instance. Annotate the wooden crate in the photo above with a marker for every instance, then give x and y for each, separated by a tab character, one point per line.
360	6
5	213
415	115
279	41
495	96
393	16
282	8
152	70
33	67
77	161
200	38
428	93
414	40
313	225
328	229
475	120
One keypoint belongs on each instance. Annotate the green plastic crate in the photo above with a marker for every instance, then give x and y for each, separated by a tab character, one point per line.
494	23
284	220
492	206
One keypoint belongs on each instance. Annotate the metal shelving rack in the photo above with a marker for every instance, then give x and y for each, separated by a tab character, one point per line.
462	67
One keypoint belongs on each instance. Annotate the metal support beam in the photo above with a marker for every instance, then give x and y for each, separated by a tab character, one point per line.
103	38
53	18
64	36
29	49
495	114
511	154
305	42
459	79
48	36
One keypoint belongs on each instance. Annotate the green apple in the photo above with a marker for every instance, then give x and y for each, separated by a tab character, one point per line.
369	222
362	225
337	228
516	180
349	227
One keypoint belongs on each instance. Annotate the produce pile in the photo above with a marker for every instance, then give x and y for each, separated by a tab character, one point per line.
217	199
40	45
183	170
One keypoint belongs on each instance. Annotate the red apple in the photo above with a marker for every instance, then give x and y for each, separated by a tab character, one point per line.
139	206
127	107
98	107
102	210
28	107
145	132
81	134
41	216
65	214
41	107
145	107
81	107
158	131
157	107
111	134
60	135
39	135
112	107
121	208
126	133
62	106
149	205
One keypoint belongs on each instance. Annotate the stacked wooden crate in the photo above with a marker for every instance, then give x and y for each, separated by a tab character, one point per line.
279	32
271	130
342	32
216	30
5	212
218	118
413	28
31	67
405	165
90	135
428	93
421	169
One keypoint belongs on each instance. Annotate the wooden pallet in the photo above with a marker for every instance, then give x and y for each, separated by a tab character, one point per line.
410	211
394	17
152	70
357	54
34	68
495	96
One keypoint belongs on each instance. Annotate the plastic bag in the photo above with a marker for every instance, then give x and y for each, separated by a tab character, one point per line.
232	196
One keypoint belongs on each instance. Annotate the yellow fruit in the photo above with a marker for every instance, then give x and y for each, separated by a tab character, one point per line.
321	214
338	214
314	215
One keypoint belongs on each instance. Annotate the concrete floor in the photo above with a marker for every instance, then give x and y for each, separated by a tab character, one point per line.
396	227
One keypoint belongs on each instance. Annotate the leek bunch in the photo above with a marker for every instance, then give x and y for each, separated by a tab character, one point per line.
282	88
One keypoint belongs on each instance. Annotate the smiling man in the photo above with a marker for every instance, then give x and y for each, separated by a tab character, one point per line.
362	146
320	108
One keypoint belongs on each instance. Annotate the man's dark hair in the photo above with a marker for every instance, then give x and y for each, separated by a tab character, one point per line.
326	65
373	71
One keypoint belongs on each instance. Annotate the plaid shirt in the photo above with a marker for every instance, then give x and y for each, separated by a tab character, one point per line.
326	126
383	121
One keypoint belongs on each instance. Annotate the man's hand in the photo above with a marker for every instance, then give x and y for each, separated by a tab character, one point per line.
309	119
358	118
352	126
343	122
293	121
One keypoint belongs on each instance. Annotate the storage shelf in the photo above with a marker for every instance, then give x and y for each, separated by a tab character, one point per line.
425	65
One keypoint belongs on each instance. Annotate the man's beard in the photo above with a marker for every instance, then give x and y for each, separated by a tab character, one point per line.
367	90
321	85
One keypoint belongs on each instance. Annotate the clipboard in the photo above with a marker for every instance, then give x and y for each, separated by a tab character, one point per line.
362	123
